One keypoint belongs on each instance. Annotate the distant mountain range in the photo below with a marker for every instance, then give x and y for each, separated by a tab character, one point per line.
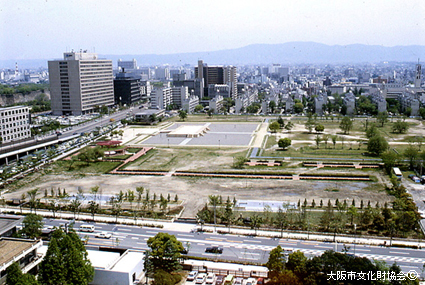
287	53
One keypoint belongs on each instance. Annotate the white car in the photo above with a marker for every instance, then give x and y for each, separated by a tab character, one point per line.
103	235
192	275
210	278
251	281
200	279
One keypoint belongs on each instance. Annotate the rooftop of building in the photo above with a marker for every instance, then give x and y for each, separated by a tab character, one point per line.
149	112
127	260
102	259
12	108
12	247
8	222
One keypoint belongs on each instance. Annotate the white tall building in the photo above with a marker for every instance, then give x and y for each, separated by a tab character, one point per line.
161	98
418	79
127	64
179	94
79	83
14	123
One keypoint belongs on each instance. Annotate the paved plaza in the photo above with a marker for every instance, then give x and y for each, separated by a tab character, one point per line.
218	134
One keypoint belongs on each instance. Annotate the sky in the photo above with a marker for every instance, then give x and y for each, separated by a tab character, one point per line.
44	29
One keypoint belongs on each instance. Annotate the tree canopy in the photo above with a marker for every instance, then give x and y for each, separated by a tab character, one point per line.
276	262
164	253
377	145
31	226
182	115
400	127
284	143
16	277
323	269
346	125
66	261
274	127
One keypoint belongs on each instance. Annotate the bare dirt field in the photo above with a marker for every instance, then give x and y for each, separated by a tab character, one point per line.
194	192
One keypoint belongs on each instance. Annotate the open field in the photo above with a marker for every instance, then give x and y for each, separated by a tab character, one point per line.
168	159
194	192
214	157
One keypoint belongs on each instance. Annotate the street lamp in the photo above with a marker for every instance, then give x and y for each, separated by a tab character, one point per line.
355	234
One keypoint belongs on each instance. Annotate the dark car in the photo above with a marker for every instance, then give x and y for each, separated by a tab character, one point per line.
214	249
219	280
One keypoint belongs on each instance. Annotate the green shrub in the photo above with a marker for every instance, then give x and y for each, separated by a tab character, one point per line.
162	277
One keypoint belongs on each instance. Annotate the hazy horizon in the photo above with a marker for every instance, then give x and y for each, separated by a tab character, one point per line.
44	29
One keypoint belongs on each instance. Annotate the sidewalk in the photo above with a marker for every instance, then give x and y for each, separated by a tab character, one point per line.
185	227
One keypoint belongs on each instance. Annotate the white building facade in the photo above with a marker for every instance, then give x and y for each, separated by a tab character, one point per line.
15	123
80	83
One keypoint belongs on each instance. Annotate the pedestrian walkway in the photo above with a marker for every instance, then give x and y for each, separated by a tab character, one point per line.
140	153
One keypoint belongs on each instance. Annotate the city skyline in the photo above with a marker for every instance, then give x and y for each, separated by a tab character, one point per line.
44	29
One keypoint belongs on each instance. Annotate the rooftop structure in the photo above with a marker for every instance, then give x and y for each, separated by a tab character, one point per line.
8	225
189	131
220	268
114	268
23	251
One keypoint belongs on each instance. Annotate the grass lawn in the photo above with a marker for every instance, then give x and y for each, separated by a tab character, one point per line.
122	157
80	167
350	149
204	159
133	150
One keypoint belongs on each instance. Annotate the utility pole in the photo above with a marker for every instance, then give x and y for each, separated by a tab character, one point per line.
215	221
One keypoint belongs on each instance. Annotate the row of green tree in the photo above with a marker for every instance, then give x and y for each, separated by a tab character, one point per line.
142	202
22	88
400	218
332	268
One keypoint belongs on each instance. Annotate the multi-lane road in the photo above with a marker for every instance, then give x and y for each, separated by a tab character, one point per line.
242	248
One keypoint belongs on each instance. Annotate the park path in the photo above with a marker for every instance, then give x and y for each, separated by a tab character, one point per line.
259	136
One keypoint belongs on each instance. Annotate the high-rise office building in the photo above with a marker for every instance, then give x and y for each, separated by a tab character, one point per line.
127	89
14	123
79	83
217	75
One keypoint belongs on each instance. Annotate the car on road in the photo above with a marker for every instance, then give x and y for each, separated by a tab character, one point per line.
238	281
251	281
260	281
192	275
210	278
214	249
219	280
87	228
84	239
103	235
47	229
200	279
414	178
